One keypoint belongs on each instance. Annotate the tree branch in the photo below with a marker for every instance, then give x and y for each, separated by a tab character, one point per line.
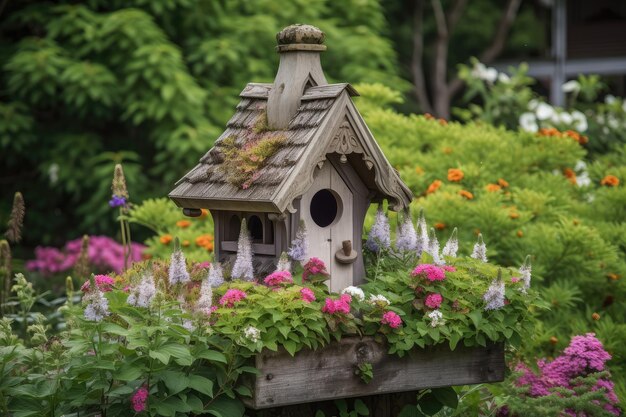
455	14
417	68
506	21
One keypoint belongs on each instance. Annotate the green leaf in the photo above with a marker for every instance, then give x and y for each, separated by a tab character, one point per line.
175	381
226	407
180	353
212	355
128	373
454	340
446	396
361	408
320	413
160	356
429	404
410	410
201	384
290	346
476	317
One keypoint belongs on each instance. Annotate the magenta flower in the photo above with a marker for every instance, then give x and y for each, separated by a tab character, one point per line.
433	300
515	279
139	399
315	266
307	294
278	277
231	297
448	268
391	319
103	282
430	272
342	305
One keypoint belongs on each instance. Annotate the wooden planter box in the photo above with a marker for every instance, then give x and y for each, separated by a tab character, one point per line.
329	373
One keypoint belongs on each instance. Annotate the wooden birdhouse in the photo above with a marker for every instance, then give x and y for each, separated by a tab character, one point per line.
296	149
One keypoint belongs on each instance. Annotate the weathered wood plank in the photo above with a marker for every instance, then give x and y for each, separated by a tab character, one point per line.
329	373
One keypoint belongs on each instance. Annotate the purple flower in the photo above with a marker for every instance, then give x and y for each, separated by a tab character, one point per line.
117	201
494	297
380	236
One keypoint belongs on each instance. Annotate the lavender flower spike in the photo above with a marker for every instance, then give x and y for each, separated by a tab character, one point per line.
525	271
97	306
178	266
433	248
452	245
379	237
243	269
144	293
494	297
422	233
480	249
299	246
206	297
406	236
283	263
216	275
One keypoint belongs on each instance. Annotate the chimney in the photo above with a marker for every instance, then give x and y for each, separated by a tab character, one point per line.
299	47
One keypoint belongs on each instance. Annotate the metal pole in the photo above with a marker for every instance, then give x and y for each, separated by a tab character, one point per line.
559	51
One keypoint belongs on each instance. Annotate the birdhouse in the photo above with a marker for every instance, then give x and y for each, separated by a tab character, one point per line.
295	149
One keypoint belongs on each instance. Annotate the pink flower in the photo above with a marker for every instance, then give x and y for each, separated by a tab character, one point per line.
307	295
315	266
139	399
433	300
391	319
430	272
448	268
231	297
342	305
103	282
515	279
278	277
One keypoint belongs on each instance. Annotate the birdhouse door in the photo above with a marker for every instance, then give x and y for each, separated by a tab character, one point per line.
326	209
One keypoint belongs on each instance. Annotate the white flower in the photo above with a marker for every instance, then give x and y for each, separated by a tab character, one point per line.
525	271
283	263
206	297
612	122
494	297
504	78
215	275
479	70
188	324
532	104
379	236
452	245
406	236
243	269
436	318
433	248
609	99
570	86
422	233
97	307
544	111
178	267
566	118
355	292
528	122
143	294
298	251
252	333
53	173
490	75
480	249
580	121
379	299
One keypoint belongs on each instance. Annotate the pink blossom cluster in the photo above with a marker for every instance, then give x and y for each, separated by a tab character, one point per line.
307	294
232	296
584	355
105	255
103	282
448	268
315	266
278	277
433	300
139	399
391	319
430	272
342	305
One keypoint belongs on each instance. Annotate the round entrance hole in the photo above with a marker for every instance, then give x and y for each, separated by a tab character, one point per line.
325	208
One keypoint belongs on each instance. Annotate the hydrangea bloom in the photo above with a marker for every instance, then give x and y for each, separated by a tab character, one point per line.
452	245
430	272
406	236
178	267
525	270
342	305
422	233
436	318
97	306
379	299
252	334
232	296
480	249
433	300
143	294
283	263
298	251
379	237
243	269
315	266
139	399
216	275
391	319
494	297
103	282
355	292
307	294
205	301
277	278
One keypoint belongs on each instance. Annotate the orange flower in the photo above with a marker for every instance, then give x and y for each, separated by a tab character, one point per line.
583	140
166	239
204	213
493	188
520	233
440	226
185	243
466	194
503	183
433	187
455	175
183	223
443	122
613	277
514	215
419	170
205	241
549	132
209	246
610	181
428	116
595	316
570	175
554	340
447	150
